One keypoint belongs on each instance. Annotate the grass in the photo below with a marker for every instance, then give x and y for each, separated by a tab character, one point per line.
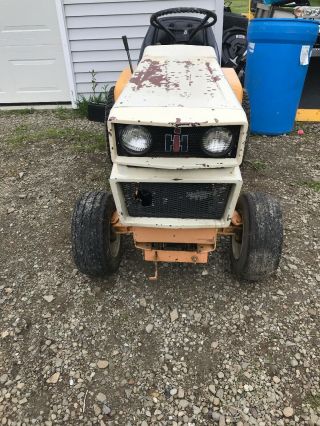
61	112
258	165
82	140
312	185
24	111
65	113
91	142
242	6
239	6
313	400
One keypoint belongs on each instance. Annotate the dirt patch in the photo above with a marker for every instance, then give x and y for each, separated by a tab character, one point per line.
256	345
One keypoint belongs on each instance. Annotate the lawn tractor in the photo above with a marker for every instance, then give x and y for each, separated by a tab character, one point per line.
176	134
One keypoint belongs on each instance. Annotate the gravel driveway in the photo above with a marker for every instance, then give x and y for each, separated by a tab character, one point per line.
197	347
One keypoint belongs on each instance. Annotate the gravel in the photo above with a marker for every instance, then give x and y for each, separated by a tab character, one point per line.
197	347
149	328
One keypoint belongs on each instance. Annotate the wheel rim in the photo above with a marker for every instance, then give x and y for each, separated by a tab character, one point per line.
236	243
114	242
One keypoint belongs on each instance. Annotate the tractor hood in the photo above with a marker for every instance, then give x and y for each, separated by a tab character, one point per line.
178	84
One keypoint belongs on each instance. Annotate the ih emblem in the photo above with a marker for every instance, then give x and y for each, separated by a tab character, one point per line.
177	142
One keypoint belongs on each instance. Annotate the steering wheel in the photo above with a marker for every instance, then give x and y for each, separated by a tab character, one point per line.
205	23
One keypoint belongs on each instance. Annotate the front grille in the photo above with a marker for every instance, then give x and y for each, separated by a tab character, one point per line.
176	200
162	140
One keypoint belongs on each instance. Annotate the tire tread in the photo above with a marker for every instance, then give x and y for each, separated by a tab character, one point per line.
262	244
90	234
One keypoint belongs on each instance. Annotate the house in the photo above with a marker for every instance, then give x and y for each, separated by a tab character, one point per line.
49	48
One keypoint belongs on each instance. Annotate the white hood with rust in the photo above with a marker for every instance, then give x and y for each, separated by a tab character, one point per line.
178	85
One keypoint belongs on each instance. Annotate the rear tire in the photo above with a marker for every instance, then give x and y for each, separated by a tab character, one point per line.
97	249
234	45
256	252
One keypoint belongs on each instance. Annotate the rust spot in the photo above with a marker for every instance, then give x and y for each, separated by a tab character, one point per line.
213	77
187	66
180	123
112	118
153	73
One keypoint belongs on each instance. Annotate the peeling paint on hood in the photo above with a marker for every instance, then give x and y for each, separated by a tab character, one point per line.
178	76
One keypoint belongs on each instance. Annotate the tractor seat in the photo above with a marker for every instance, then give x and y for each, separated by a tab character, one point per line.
178	25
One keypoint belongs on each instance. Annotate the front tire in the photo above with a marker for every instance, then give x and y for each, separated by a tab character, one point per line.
97	249
256	251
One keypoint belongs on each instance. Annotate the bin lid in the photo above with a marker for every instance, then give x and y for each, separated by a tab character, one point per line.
283	30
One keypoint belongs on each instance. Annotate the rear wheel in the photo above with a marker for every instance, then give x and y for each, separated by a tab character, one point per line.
256	249
97	249
234	45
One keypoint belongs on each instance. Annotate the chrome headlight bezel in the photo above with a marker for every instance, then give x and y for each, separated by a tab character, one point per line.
228	144
135	129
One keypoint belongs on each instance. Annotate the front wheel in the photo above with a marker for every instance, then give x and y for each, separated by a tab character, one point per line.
97	249
256	248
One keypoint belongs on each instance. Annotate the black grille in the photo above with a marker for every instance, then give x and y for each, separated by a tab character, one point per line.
162	138
176	200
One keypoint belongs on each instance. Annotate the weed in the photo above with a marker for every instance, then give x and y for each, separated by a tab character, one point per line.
83	102
96	98
312	184
94	83
257	164
19	135
313	400
82	106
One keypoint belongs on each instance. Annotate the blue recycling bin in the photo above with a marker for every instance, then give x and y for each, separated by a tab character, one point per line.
277	62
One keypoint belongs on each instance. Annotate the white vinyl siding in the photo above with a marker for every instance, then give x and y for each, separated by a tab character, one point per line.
94	29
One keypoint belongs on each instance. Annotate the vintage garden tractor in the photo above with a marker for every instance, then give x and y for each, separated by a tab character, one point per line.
176	135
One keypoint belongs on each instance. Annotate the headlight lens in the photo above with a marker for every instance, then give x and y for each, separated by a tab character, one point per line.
217	141
136	140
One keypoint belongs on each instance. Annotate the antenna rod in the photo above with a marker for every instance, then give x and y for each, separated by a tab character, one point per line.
126	46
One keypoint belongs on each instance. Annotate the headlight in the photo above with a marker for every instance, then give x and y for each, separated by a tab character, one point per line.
217	141
136	140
